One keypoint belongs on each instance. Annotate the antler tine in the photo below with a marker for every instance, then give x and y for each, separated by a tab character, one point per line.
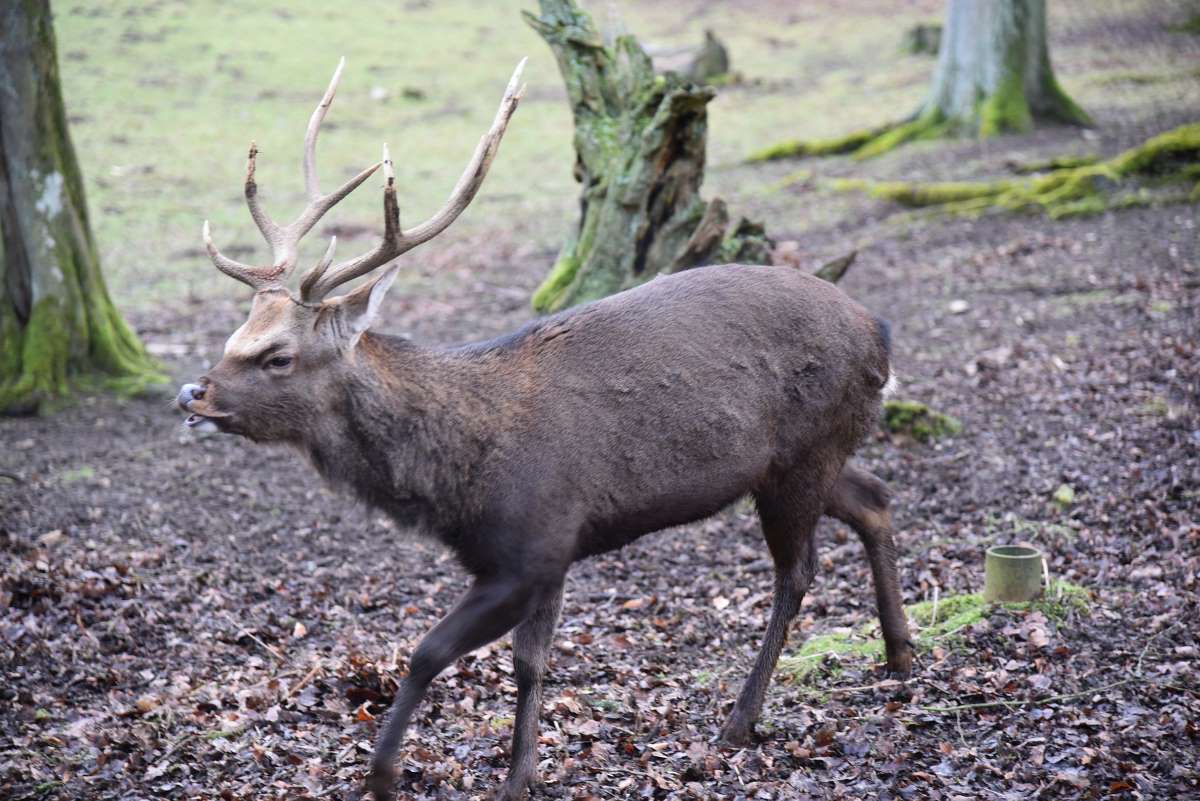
316	285
266	225
395	241
472	178
314	129
284	240
254	277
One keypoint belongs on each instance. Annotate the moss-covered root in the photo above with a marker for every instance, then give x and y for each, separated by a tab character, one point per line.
864	144
802	148
1171	157
917	421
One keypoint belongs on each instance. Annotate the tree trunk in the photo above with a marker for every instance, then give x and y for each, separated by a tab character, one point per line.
640	149
993	76
57	323
993	73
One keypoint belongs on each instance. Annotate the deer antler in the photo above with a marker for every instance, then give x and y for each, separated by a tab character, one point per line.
321	280
284	239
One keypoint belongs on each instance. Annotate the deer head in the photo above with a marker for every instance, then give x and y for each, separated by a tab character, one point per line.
272	381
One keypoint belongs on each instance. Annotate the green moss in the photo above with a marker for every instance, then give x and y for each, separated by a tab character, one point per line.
1062	107
1160	153
932	624
1055	163
1167	159
45	353
1064	496
1190	25
1006	110
948	616
916	420
547	295
798	148
55	355
917	195
816	651
927	126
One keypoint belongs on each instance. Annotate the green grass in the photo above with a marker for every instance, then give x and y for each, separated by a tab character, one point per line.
931	624
164	98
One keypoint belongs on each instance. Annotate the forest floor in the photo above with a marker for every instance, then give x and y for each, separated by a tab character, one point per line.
199	617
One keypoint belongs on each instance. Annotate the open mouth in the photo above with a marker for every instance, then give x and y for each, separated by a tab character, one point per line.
199	422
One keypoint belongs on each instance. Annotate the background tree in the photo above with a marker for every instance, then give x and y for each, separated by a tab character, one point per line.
57	323
993	76
640	147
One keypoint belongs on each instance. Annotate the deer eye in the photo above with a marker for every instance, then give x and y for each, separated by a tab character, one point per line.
278	362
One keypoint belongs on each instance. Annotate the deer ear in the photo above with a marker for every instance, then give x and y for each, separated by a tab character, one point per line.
357	310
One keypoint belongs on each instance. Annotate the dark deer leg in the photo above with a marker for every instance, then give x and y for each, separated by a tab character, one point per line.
531	649
789	517
860	500
489	609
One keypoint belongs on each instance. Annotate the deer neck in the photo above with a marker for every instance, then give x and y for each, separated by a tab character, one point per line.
409	433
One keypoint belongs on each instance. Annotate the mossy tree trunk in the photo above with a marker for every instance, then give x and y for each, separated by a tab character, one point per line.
993	76
640	148
993	73
57	323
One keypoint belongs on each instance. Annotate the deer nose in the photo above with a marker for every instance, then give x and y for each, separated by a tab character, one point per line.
187	394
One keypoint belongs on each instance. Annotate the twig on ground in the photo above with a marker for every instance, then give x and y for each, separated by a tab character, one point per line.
1137	671
300	685
243	631
879	685
1027	701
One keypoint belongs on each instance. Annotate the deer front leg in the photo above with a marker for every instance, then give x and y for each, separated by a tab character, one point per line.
490	608
531	649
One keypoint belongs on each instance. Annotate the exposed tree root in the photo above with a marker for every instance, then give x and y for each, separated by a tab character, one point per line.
1171	157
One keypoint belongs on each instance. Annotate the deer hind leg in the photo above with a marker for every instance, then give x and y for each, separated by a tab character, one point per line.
531	649
789	515
860	500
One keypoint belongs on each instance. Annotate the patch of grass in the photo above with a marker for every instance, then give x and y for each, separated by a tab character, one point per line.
605	704
77	474
916	420
221	734
1021	528
1064	496
838	646
931	624
1155	407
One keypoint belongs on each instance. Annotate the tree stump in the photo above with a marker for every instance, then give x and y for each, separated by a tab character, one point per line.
640	142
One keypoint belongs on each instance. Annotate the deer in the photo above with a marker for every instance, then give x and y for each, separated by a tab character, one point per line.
568	438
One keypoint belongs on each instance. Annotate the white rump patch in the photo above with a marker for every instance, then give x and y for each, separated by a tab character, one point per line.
889	388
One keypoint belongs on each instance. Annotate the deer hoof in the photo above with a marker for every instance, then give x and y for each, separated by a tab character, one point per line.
737	735
379	784
899	660
507	792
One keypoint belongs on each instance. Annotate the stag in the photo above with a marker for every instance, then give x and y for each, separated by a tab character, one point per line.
570	437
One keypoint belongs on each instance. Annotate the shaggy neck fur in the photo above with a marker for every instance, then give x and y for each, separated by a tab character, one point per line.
408	434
